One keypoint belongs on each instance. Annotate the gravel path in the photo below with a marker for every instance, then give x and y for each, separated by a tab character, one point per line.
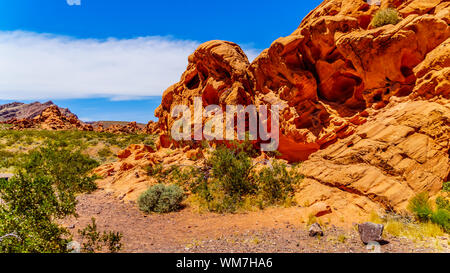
271	230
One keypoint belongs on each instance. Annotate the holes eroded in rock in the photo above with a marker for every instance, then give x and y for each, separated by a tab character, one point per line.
377	98
406	71
193	83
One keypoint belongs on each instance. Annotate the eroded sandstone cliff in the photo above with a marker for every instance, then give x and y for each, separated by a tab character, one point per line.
329	74
366	108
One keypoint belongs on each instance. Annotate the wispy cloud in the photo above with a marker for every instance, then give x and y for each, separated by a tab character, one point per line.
74	2
44	66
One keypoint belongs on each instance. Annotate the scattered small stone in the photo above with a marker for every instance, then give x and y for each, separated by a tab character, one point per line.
71	226
74	247
370	232
315	230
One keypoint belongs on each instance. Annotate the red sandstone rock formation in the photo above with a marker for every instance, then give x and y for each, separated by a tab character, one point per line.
329	74
373	101
130	128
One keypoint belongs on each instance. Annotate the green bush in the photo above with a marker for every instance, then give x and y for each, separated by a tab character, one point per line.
68	169
161	199
385	17
421	207
229	182
442	218
446	187
443	203
31	206
105	152
9	159
230	170
154	170
224	181
276	183
93	241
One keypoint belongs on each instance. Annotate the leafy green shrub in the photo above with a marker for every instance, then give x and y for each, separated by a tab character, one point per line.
93	241
421	207
276	183
230	170
154	170
446	187
225	180
161	199
385	17
31	204
8	159
442	218
228	182
423	211
105	152
443	203
68	169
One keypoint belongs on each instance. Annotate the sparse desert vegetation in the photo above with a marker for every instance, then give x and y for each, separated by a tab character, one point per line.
229	181
99	146
428	220
385	17
51	169
161	199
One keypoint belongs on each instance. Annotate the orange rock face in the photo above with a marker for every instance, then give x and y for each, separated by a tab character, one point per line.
127	178
329	74
216	73
367	109
402	150
130	128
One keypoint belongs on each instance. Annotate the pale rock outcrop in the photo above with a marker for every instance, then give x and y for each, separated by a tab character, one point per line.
401	151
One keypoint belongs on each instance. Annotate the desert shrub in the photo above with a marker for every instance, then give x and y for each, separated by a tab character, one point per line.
8	159
68	169
230	170
105	152
30	206
154	170
446	187
420	206
442	203
385	17
441	217
94	241
161	199
229	182
405	227
276	183
224	181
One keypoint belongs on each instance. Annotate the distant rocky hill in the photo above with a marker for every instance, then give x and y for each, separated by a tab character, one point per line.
19	110
48	116
109	123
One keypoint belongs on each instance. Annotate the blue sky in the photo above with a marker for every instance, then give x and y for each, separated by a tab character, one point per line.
112	59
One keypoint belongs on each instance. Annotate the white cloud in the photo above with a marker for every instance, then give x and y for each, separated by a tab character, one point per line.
44	66
74	2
